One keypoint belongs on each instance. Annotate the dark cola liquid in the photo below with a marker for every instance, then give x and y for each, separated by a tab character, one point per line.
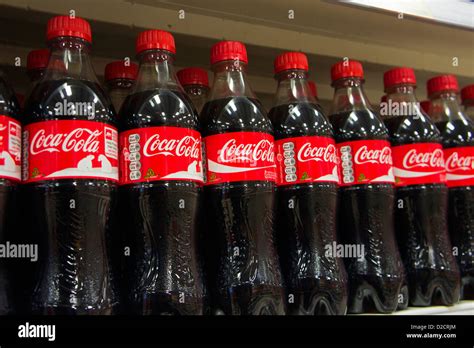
366	218
318	283
8	208
74	271
241	258
461	207
421	224
164	267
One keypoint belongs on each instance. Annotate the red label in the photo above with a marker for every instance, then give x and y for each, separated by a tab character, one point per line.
365	162
160	153
10	148
459	166
416	164
306	159
240	156
70	149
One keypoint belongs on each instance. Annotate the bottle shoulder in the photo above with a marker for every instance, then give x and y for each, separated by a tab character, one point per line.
68	99
412	129
299	119
235	114
159	107
358	125
457	133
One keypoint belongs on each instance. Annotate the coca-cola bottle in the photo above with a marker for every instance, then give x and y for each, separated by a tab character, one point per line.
307	182
421	195
196	85
457	132
10	176
36	63
161	180
119	79
366	195
467	97
242	262
70	174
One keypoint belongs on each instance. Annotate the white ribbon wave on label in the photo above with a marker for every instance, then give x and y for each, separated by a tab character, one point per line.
192	173
458	177
84	169
385	178
221	168
334	176
402	173
9	167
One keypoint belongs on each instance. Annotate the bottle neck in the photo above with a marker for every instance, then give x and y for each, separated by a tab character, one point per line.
293	87
119	84
156	71
70	58
230	80
445	107
196	90
349	96
401	101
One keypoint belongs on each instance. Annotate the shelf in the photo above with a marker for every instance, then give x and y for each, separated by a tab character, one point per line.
325	30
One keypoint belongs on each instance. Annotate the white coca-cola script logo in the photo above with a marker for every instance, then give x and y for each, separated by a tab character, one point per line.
187	146
78	140
413	159
317	153
233	152
379	156
455	162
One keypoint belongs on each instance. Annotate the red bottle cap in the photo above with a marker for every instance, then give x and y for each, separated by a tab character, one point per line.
193	76
442	83
120	70
399	76
349	68
290	61
37	59
383	99
313	88
425	106
228	50
467	93
68	26
155	40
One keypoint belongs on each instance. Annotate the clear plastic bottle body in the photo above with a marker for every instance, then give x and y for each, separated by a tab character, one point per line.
421	213
366	210
72	218
469	108
306	212
240	215
457	132
162	216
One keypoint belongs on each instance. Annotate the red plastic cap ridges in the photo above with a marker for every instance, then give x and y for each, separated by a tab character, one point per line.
155	40
120	70
290	61
399	76
68	26
38	59
346	69
193	76
442	83
467	93
228	50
